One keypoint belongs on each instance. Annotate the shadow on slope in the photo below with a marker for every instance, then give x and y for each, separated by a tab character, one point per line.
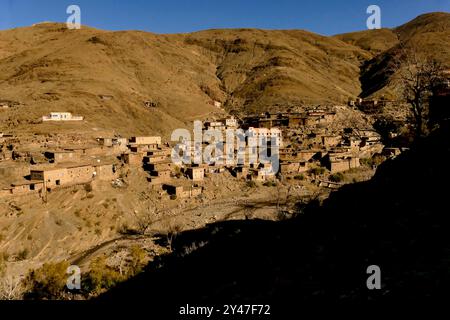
397	221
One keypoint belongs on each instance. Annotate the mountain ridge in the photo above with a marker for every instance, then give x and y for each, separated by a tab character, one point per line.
50	68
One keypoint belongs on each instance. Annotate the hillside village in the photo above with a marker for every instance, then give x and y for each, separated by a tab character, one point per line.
309	144
87	164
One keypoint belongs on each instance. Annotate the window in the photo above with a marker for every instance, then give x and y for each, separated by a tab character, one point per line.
58	182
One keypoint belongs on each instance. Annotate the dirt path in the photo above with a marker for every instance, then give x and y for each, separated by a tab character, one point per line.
222	210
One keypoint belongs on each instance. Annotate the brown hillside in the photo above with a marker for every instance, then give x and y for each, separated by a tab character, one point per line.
374	41
428	33
50	68
261	69
47	67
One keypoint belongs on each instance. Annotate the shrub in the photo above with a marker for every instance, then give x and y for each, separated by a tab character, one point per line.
299	177
88	187
138	260
270	184
251	184
337	177
173	197
317	171
101	277
22	255
47	282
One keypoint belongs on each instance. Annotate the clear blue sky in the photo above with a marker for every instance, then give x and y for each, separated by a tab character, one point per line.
175	16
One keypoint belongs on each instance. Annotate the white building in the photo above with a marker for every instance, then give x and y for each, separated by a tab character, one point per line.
61	116
231	122
272	133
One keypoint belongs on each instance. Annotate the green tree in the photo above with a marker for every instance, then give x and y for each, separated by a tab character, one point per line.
47	282
101	277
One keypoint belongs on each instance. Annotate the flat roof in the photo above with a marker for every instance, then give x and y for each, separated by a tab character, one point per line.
26	182
71	165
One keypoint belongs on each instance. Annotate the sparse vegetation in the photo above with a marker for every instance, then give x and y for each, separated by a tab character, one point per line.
47	282
317	171
138	260
101	277
2	264
88	187
250	184
23	254
270	184
337	177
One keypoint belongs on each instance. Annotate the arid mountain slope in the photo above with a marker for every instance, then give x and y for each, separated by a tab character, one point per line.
429	34
261	69
47	67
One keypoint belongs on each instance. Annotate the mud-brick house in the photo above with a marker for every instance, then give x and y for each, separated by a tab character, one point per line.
160	152
79	174
181	191
107	142
158	177
240	172
61	156
52	177
262	175
154	159
343	164
142	148
196	173
105	171
146	140
288	167
159	166
132	159
117	145
308	155
64	176
89	150
26	187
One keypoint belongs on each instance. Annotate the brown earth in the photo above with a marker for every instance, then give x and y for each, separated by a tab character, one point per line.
47	67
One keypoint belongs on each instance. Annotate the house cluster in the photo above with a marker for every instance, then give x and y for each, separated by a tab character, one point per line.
309	142
254	170
46	170
335	151
306	141
310	117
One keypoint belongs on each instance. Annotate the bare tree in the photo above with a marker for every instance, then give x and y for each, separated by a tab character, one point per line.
145	219
173	228
417	75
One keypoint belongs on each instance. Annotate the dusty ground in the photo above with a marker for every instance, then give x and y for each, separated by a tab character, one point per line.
74	220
